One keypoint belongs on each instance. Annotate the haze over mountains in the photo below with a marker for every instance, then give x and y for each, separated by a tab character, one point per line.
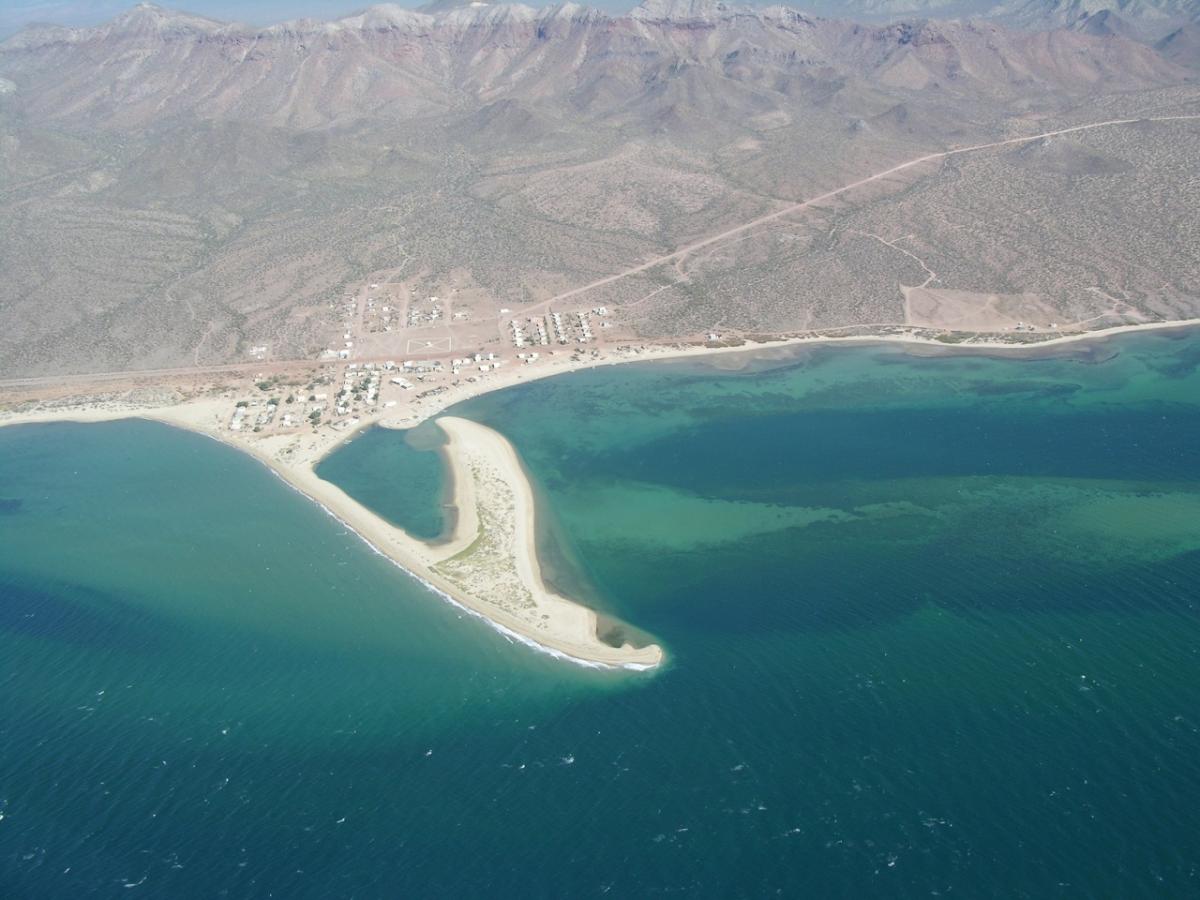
173	188
150	64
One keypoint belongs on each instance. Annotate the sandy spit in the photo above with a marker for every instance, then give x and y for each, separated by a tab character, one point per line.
480	456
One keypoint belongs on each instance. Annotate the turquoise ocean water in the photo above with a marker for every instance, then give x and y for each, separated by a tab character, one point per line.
932	627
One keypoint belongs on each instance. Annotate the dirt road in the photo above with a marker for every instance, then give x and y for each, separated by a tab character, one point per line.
829	195
286	365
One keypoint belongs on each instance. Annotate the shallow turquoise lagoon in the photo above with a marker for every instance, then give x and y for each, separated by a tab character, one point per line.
932	623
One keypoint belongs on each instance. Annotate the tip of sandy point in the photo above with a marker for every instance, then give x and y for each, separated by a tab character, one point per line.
648	657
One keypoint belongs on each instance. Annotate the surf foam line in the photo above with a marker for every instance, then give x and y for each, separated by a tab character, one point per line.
509	634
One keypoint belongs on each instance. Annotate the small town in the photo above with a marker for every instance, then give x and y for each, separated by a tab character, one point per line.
398	348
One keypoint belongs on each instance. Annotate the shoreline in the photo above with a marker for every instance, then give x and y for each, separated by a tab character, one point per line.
563	623
423	411
547	622
510	635
567	630
551	624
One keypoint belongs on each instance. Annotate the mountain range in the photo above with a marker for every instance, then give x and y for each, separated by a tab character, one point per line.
174	187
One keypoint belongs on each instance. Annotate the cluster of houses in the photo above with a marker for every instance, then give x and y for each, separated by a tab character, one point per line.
361	388
379	315
585	327
416	317
566	328
418	367
349	309
532	333
358	384
242	412
486	362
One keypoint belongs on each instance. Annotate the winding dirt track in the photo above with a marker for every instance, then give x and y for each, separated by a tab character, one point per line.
634	270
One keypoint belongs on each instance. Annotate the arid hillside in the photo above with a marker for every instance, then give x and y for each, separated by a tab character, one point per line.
175	191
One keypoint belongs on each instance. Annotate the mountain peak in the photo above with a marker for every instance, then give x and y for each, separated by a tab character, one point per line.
1097	14
150	17
384	16
685	10
443	6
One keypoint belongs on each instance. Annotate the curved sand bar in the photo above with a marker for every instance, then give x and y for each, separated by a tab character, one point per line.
489	565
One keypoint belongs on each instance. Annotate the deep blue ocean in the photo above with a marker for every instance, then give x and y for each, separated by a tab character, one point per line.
933	627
